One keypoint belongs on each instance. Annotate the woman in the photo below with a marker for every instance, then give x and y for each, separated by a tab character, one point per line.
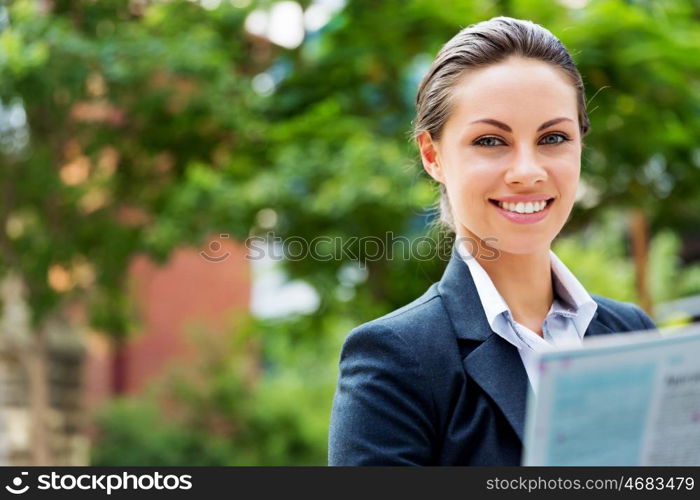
443	380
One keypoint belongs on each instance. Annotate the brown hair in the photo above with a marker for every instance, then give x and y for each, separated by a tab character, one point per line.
479	45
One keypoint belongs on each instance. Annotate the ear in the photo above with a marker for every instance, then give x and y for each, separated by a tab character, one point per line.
429	156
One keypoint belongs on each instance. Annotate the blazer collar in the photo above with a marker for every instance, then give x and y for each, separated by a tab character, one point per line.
495	364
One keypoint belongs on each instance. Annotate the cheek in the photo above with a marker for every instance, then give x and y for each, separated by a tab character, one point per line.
567	176
468	188
474	175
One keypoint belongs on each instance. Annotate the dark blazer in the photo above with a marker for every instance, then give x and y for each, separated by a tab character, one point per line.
432	384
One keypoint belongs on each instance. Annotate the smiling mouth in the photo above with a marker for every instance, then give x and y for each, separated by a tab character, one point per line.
523	207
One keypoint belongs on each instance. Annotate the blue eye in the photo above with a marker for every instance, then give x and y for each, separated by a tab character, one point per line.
489	142
554	139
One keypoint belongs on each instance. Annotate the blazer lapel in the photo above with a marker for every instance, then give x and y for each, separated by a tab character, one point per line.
597	327
495	364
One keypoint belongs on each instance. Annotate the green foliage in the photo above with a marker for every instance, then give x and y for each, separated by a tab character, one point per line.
639	68
670	279
120	107
227	410
598	257
162	140
137	433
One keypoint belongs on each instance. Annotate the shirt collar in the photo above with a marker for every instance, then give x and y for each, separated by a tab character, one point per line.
491	299
569	289
581	306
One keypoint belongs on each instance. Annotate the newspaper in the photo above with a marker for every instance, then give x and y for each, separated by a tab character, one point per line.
624	399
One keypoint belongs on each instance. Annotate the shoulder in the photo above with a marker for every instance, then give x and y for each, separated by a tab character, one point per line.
384	411
623	316
421	324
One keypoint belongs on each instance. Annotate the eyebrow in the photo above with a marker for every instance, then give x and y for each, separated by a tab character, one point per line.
505	127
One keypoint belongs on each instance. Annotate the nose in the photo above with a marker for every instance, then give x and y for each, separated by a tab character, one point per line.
526	169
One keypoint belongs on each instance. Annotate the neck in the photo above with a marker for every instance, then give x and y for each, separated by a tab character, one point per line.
524	281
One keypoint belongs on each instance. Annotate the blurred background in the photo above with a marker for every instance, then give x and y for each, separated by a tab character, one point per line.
144	145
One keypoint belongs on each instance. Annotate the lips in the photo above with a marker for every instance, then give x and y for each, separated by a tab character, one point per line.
524	218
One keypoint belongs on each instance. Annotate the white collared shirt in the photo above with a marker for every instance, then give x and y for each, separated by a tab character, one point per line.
565	323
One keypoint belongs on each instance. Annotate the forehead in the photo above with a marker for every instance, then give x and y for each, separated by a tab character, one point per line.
514	90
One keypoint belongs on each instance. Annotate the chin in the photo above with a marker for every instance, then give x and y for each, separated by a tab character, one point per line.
513	242
524	245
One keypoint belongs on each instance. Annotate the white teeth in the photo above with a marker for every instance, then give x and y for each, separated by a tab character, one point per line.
524	208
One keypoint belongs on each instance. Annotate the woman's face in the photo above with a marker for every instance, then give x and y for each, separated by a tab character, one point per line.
513	136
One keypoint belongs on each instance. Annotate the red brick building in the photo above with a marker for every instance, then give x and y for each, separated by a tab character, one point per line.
196	288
